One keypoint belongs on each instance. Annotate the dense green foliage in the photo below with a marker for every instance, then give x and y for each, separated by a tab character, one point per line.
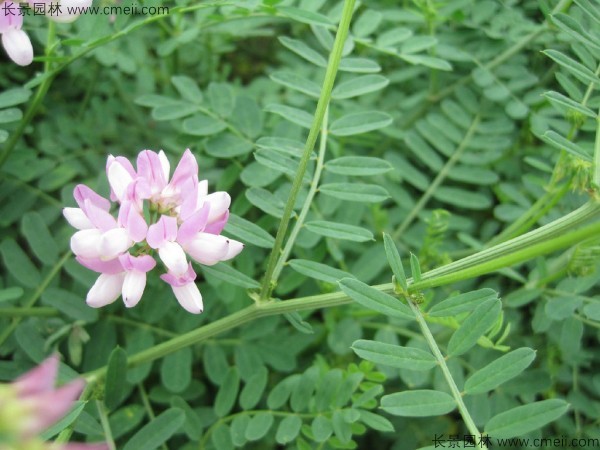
453	127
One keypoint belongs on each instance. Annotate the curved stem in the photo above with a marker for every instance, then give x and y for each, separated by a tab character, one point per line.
289	245
462	408
330	74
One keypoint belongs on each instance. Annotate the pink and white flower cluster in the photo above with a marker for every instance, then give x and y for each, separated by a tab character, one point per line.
183	218
31	404
15	41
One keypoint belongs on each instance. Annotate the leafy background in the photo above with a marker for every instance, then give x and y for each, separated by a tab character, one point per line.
453	126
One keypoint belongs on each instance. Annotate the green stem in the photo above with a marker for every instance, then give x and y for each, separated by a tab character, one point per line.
515	257
42	311
289	245
330	75
34	297
464	412
105	425
596	166
441	176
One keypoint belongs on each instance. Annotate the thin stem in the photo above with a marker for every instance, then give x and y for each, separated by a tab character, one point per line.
441	176
330	75
42	311
464	412
34	297
596	166
110	442
289	245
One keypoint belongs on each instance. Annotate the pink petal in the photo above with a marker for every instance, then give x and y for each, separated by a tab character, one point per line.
39	379
143	263
51	406
100	218
10	21
219	204
207	248
189	297
132	220
133	287
77	218
82	193
119	178
150	167
105	290
185	176
163	230
110	267
18	46
113	243
173	256
217	226
180	280
85	243
193	224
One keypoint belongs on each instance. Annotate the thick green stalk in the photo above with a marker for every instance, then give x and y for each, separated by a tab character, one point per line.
462	408
330	74
507	260
289	245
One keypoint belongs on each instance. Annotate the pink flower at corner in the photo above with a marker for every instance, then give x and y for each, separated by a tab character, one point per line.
31	404
184	220
14	40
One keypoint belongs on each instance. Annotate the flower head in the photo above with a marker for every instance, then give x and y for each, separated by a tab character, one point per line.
31	404
184	219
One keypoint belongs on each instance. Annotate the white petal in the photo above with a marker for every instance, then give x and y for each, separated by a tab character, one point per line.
174	258
206	248
234	249
189	297
105	290
202	188
166	166
219	203
18	46
113	243
119	179
133	287
77	218
85	243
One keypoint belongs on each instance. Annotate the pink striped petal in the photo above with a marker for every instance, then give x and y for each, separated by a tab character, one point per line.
10	21
194	224
150	167
97	265
105	290
143	263
100	218
180	280
82	193
186	173
132	220
217	226
163	230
